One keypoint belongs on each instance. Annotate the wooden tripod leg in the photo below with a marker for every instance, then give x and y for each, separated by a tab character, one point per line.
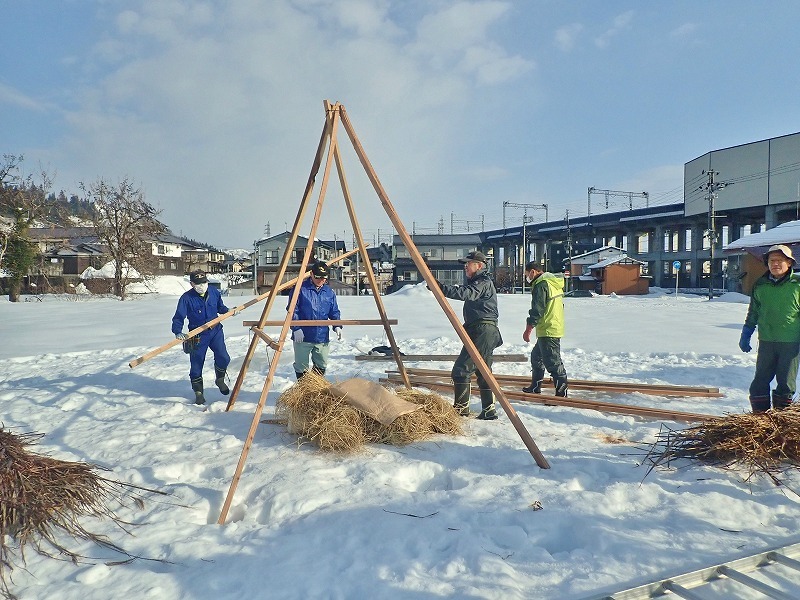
429	279
370	275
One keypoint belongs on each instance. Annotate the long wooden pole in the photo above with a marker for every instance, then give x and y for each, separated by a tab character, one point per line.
290	243
571	402
333	121
234	311
370	275
541	461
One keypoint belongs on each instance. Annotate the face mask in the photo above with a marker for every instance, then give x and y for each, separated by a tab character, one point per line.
528	279
200	288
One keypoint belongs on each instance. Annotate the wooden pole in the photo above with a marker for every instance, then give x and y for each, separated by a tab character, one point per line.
370	275
541	461
318	322
291	242
234	311
571	402
333	121
423	268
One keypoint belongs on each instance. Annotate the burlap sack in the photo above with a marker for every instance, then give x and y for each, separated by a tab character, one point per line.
373	400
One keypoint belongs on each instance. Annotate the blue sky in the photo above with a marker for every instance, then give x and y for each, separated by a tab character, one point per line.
215	108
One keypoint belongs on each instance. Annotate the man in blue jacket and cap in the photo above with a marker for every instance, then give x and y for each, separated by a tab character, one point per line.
317	302
200	305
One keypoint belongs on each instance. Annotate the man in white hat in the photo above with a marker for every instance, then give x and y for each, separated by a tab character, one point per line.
775	310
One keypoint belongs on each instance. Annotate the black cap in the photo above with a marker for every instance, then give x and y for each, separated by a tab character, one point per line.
198	277
320	270
476	256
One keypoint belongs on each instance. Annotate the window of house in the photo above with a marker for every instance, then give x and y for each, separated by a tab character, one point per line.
687	239
173	265
161	265
161	249
298	255
271	257
667	267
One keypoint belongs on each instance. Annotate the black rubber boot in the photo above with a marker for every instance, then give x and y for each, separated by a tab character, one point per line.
488	412
759	404
220	381
534	388
197	386
780	402
461	404
299	375
561	385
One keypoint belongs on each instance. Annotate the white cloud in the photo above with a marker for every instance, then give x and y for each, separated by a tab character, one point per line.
621	22
223	103
566	36
684	30
13	97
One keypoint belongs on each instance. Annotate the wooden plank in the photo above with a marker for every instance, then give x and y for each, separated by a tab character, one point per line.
441	357
599	385
572	402
331	322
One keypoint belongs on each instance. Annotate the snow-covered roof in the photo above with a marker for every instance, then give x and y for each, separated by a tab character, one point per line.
615	259
787	233
597	250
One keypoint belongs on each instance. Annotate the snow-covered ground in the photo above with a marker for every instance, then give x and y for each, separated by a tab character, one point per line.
447	518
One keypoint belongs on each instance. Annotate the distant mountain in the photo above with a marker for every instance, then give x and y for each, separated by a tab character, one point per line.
238	253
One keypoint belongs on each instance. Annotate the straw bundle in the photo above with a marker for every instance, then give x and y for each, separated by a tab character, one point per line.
43	499
313	411
767	443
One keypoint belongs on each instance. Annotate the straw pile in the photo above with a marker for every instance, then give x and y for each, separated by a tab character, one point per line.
42	500
313	412
767	443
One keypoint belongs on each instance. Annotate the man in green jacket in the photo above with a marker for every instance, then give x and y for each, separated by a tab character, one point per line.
480	322
775	310
547	316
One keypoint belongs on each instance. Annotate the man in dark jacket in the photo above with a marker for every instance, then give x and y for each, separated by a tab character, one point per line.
480	323
775	310
200	305
317	301
547	317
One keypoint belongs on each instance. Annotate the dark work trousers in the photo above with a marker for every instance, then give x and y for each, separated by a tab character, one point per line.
778	360
210	339
486	337
546	354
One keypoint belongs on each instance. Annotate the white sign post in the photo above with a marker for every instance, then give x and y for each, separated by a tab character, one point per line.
677	266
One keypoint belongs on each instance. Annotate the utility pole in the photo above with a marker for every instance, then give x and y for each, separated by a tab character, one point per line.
711	188
569	251
525	220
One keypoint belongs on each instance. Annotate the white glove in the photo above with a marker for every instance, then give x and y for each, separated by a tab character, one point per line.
181	336
338	331
297	335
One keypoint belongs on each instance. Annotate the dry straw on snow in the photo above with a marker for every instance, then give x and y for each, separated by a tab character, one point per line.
312	410
767	443
43	500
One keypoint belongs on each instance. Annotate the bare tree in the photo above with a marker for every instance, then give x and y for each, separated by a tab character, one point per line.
126	225
22	203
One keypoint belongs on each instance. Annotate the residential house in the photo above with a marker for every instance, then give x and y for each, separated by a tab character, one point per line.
270	252
441	254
